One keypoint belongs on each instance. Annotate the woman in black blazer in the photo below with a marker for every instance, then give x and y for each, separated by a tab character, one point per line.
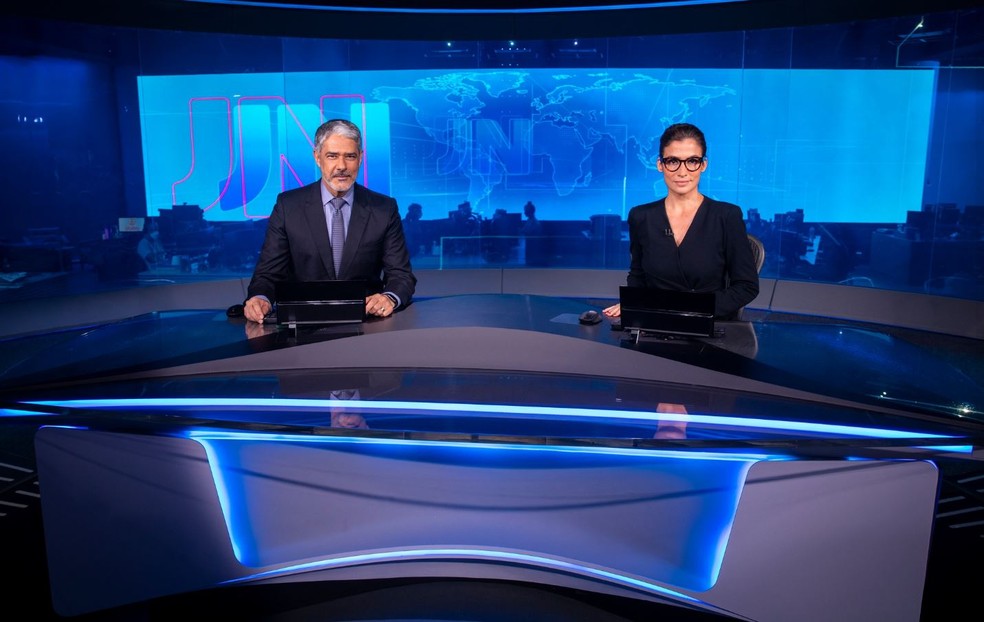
687	241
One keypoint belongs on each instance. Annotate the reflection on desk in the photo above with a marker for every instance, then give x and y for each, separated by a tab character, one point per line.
516	332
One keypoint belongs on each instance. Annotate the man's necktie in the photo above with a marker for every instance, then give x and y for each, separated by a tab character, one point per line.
337	233
343	394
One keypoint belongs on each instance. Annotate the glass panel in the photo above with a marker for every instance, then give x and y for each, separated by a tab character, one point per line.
853	148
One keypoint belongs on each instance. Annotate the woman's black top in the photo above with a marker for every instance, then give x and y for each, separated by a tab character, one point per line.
715	255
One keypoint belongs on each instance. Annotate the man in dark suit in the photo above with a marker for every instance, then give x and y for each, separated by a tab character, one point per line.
302	231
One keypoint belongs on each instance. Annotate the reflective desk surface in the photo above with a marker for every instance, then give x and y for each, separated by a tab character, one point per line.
508	352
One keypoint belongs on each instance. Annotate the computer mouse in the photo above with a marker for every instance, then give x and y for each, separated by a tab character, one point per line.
235	311
589	317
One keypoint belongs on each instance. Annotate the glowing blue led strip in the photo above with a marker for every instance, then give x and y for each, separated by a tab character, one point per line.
495	409
466	553
464	9
10	412
204	436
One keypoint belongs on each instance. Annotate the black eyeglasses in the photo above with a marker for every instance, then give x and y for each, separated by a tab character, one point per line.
693	164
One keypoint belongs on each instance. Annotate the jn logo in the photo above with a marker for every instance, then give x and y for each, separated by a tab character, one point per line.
242	154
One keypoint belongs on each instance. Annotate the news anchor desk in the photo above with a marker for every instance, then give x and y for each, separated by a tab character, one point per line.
491	438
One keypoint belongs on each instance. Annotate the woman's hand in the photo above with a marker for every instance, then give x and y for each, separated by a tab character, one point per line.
613	311
256	309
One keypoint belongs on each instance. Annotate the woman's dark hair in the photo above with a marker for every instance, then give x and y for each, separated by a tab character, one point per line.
682	131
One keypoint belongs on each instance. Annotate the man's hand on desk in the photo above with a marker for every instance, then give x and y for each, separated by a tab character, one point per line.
257	308
380	305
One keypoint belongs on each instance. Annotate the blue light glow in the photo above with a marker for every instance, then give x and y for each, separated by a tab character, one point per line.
962	449
469	554
204	436
464	9
250	471
10	412
224	501
498	410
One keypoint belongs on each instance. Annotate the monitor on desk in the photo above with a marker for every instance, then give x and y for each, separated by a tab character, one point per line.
648	309
320	302
130	225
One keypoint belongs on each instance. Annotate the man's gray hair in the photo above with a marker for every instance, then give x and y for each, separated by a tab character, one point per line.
340	127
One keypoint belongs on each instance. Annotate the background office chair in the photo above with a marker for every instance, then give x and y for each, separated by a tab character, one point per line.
758	252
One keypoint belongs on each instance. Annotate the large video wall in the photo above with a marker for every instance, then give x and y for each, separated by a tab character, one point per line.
577	142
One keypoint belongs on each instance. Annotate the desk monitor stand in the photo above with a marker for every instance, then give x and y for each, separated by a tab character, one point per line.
653	310
309	333
638	334
320	303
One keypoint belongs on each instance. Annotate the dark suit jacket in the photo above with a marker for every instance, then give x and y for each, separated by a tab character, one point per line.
715	255
297	247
